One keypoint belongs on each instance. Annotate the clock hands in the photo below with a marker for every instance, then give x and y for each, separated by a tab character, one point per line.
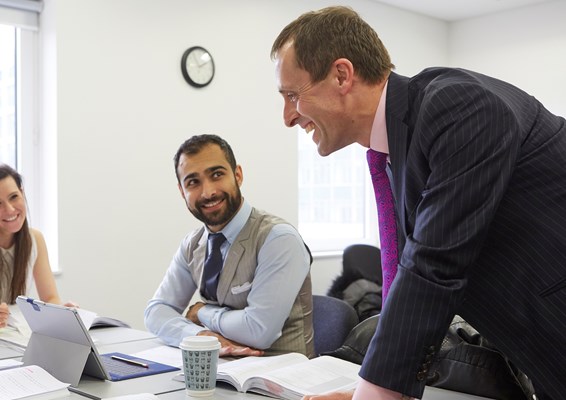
200	59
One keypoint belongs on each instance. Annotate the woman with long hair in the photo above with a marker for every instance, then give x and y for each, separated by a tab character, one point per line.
23	252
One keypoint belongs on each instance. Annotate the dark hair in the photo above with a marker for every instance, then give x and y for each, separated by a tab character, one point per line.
22	243
196	143
321	37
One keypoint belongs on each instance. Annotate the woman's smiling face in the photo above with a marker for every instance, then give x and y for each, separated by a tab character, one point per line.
12	207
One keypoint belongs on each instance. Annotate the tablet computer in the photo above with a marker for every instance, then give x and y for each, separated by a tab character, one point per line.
61	344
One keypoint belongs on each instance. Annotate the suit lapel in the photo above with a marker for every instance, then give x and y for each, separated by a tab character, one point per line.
229	270
398	138
235	254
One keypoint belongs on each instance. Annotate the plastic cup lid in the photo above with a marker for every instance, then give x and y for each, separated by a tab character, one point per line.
200	343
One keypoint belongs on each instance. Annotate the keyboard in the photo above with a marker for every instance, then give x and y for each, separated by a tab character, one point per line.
121	368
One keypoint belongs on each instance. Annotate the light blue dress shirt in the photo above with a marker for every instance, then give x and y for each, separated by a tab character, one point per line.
283	264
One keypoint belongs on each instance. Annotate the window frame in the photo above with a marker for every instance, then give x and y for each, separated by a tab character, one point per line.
33	149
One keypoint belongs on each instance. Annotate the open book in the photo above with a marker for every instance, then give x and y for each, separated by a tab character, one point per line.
289	376
93	320
31	382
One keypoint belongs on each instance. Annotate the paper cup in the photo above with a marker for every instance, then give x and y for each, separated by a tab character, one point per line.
200	363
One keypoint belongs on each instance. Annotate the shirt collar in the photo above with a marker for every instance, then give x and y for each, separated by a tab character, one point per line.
233	228
378	137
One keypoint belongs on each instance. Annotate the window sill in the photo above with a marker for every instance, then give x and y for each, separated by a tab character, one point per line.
320	255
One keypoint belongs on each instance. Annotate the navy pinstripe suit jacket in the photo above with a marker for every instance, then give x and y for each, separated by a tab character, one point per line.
479	177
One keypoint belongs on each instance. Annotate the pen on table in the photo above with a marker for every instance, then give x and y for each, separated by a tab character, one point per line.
127	360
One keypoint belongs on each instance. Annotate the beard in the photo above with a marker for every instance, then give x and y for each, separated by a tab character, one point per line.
221	217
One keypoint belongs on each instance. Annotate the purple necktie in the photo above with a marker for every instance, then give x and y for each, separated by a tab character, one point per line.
212	265
386	215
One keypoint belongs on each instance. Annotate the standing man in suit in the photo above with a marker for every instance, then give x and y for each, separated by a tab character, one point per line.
259	300
478	174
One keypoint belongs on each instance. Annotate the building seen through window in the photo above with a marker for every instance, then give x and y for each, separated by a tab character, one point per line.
336	205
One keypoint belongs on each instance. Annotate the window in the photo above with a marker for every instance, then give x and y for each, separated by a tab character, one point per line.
18	116
20	143
336	201
8	142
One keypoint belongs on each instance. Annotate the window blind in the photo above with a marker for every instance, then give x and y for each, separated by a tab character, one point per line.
21	13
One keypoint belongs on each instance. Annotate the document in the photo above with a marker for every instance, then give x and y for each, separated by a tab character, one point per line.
30	383
9	363
289	376
162	354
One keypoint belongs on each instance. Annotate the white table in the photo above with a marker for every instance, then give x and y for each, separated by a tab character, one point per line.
131	341
225	391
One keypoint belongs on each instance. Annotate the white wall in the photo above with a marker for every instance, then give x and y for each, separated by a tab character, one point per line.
120	108
526	47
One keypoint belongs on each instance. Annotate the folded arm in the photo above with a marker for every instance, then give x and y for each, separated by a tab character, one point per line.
283	264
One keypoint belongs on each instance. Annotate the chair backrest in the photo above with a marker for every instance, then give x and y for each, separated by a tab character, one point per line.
333	319
362	261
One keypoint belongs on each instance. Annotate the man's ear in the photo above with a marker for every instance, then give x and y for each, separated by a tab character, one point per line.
239	174
344	72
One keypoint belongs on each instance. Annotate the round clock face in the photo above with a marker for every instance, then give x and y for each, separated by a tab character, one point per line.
197	66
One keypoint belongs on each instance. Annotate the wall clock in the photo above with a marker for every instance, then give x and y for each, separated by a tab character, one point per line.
197	66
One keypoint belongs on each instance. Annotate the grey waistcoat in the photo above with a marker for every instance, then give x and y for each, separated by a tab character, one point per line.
239	267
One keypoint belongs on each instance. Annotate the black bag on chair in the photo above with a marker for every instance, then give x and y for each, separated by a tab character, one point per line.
465	363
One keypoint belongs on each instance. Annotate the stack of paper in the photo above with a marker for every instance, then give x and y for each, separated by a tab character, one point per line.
31	382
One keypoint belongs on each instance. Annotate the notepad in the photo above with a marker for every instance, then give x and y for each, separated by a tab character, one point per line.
119	370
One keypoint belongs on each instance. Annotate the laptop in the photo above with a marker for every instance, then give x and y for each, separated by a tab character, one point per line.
61	344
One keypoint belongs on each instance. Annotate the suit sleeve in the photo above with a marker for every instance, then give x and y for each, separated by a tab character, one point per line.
464	139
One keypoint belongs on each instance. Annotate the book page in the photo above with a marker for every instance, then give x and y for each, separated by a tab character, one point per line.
18	331
244	368
87	317
27	381
319	375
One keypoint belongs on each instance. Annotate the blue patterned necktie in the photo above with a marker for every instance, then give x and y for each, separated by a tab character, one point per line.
212	266
377	163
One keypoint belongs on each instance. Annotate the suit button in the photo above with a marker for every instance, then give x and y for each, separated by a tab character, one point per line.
433	378
421	375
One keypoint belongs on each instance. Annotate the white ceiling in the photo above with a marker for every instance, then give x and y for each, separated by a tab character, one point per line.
454	10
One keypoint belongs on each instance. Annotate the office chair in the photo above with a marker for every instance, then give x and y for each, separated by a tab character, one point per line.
362	261
359	284
333	319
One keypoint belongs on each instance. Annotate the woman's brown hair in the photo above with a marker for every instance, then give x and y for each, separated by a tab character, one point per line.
22	243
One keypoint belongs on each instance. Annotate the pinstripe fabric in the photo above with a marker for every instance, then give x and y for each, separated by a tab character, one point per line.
479	178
